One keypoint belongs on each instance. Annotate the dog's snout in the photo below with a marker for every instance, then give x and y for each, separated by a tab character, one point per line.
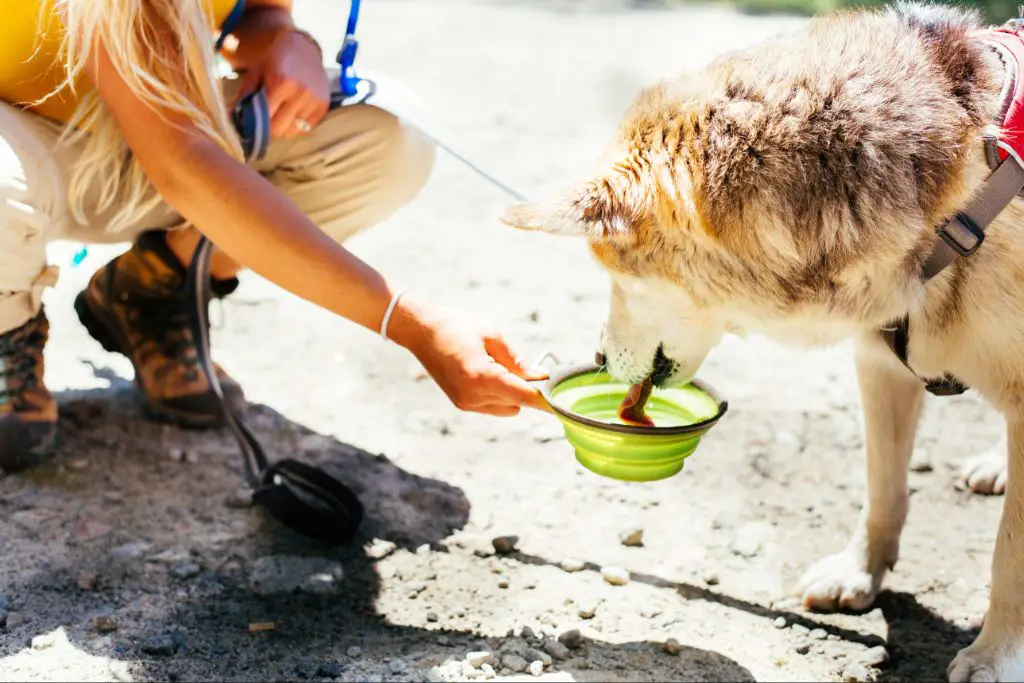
600	358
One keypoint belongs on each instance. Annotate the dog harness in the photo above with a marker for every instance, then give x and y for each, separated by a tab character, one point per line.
964	233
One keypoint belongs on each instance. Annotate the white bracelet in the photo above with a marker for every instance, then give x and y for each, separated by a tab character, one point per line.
387	314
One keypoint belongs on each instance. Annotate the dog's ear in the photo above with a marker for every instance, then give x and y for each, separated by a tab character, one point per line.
603	208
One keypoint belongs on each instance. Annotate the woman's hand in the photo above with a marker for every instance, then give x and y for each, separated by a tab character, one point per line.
298	91
472	364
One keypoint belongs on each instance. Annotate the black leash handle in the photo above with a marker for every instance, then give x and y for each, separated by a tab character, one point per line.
304	498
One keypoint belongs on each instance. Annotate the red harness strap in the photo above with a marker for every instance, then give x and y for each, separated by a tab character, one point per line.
1010	46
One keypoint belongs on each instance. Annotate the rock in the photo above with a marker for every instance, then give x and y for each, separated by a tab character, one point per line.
616	576
799	630
587	609
469	671
3	618
289	574
514	646
649	611
5	601
876	657
442	640
514	663
488	671
535	655
856	672
435	675
77	464
746	542
158	646
479	658
432	617
780	622
331	669
920	462
504	545
397	666
379	549
306	668
632	538
354	651
239	499
15	620
557	650
503	582
528	634
818	634
672	646
373	678
536	668
711	577
43	642
802	648
113	497
571	639
104	624
183	570
572	565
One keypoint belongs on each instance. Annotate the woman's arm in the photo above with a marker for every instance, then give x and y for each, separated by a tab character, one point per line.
255	224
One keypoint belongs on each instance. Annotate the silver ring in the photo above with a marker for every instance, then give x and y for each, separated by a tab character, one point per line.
303	125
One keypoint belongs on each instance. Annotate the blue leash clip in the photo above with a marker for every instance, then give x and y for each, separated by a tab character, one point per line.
348	81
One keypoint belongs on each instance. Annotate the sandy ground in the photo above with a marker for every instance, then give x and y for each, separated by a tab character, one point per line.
127	559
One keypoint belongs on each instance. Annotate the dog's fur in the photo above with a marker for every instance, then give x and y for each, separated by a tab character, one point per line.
793	189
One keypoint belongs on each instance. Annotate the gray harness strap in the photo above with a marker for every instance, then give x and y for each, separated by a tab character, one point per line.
964	233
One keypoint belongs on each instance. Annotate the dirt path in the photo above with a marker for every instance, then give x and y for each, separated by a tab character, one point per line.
125	561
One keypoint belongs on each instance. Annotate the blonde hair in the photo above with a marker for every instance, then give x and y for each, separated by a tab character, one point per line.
183	82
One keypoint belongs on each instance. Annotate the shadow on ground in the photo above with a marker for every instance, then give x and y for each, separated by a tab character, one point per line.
132	551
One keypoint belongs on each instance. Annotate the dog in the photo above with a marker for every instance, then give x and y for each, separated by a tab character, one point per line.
793	189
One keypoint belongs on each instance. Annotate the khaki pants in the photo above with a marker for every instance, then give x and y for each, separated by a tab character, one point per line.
354	170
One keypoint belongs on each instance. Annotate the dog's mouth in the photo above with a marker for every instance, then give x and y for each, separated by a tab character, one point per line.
662	367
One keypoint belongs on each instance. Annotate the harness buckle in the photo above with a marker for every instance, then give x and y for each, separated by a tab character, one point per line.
346	59
962	234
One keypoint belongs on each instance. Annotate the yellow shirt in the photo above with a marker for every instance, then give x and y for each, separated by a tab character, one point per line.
28	64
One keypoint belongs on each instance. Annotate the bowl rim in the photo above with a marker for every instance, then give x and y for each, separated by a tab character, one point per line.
560	375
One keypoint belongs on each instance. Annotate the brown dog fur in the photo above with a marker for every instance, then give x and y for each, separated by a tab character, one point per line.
793	189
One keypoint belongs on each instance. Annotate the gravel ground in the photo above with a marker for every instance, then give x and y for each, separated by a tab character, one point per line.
134	558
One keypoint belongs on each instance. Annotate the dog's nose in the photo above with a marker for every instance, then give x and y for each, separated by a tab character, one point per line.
600	358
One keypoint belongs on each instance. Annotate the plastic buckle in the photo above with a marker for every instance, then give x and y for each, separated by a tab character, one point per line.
969	226
349	82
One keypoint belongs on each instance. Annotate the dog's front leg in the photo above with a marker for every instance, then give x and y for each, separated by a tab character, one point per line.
998	652
892	399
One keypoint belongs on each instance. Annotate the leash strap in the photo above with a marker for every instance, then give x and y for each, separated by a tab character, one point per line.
304	498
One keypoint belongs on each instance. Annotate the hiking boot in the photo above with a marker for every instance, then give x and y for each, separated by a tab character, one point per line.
136	306
28	413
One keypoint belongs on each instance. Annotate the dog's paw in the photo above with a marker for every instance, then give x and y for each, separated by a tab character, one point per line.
987	662
840	581
986	473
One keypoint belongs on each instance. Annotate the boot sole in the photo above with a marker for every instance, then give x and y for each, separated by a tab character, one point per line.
105	331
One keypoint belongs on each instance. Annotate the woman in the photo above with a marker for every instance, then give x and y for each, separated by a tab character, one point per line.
114	127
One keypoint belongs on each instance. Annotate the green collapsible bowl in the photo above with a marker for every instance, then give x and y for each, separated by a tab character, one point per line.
586	400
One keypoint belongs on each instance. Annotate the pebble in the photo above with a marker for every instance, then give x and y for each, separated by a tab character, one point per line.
572	565
104	624
442	640
378	549
616	576
780	622
435	675
557	650
130	551
877	657
43	642
14	620
819	634
183	570
432	617
289	573
503	582
114	497
503	545
799	629
802	648
855	672
514	663
535	655
86	581
77	464
397	666
711	577
354	651
571	639
632	538
488	671
469	671
672	646
479	658
331	669
373	678
536	668
920	462
242	498
159	646
5	601
306	668
587	609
